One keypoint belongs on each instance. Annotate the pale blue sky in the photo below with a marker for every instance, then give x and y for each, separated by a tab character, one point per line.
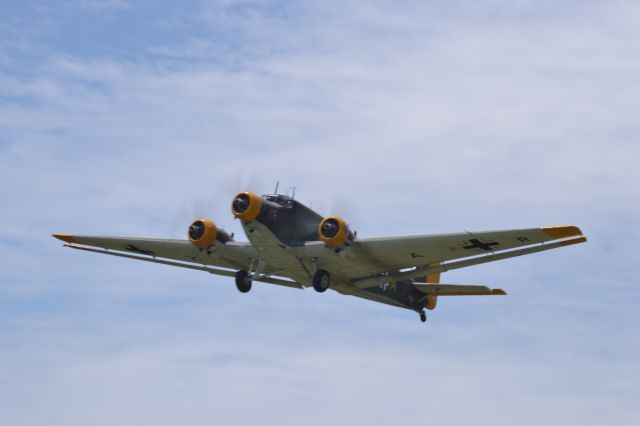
131	118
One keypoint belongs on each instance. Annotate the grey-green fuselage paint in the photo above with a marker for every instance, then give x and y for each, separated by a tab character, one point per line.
294	224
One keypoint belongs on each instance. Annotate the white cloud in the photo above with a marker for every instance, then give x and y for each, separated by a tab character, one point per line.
99	5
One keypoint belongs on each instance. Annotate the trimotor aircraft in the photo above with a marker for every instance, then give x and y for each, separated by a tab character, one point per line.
292	245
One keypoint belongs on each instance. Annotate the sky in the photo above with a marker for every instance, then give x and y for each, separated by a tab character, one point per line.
131	118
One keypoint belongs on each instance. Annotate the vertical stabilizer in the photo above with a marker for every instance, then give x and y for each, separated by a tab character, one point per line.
432	300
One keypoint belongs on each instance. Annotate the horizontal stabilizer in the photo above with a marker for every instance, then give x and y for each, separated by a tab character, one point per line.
458	290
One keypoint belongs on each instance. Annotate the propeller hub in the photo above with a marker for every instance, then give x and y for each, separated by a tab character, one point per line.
330	228
241	203
196	230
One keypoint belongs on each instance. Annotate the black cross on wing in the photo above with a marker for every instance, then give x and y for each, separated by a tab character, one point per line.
476	243
131	247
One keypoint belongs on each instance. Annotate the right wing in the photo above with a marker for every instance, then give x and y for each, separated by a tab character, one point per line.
231	256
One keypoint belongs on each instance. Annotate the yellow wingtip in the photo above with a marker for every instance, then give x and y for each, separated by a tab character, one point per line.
67	238
499	291
558	232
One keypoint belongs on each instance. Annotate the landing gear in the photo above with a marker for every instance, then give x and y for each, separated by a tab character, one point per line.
321	280
243	281
423	316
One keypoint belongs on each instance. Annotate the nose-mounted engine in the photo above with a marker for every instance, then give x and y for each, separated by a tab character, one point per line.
246	206
335	232
204	233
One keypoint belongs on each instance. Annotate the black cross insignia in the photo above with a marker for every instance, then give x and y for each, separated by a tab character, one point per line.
131	247
476	243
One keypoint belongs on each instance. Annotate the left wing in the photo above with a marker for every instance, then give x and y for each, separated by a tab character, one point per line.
412	250
372	261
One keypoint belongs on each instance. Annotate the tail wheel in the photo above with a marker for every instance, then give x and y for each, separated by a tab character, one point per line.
243	281
321	280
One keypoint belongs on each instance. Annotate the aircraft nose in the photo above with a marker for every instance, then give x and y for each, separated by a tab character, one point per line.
241	203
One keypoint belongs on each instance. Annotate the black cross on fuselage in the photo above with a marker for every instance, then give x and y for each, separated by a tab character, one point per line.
476	243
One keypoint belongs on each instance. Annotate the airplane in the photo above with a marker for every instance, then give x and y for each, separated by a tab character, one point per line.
291	245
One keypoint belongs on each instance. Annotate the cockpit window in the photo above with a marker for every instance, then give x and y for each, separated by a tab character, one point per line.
282	200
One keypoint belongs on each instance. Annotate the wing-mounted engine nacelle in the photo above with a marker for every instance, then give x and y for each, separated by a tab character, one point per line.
204	233
335	233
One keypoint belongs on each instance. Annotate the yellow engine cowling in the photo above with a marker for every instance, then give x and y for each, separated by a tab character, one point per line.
246	206
203	233
334	232
432	300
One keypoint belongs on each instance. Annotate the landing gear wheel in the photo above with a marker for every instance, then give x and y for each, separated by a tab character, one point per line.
243	282
321	280
423	316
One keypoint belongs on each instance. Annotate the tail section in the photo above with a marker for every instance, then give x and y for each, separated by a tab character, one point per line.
432	288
